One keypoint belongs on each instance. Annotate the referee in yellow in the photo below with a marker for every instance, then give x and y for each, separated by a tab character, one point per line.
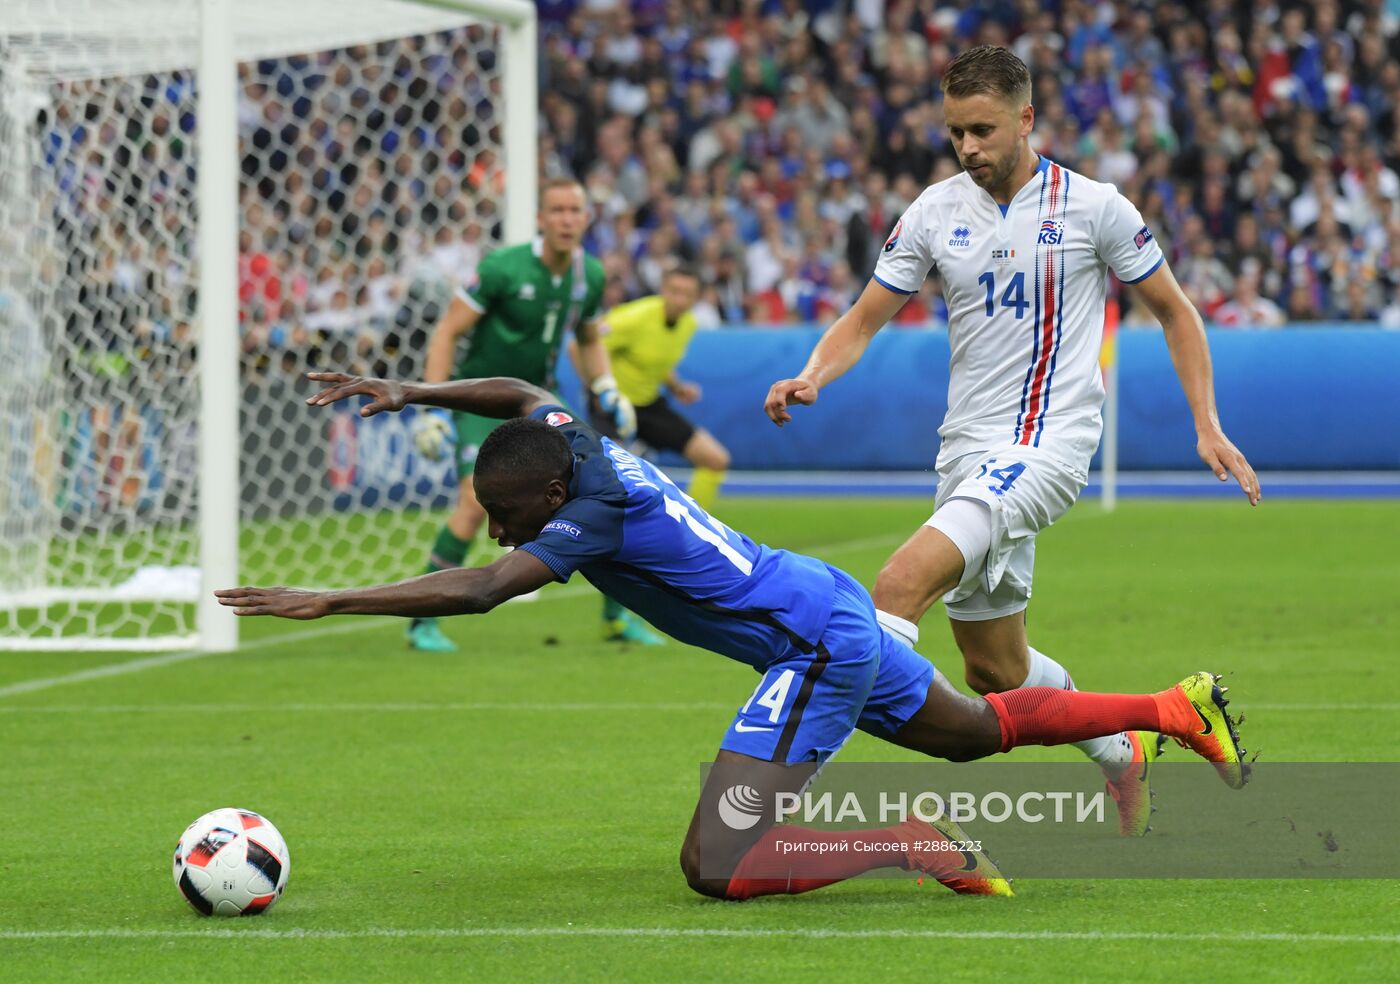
646	339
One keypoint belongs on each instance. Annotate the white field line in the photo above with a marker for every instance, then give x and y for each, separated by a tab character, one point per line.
168	659
1246	706
358	624
407	708
544	707
666	933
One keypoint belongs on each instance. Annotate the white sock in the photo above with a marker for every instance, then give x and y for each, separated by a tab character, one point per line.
1108	751
901	628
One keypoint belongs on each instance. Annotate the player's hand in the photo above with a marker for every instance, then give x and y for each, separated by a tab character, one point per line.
785	393
386	394
1223	458
432	433
281	602
616	406
686	393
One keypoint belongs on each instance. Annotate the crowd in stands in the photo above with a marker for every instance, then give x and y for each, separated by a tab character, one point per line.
372	188
772	144
775	142
368	191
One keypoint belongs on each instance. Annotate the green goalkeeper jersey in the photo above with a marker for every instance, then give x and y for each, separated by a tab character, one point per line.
526	312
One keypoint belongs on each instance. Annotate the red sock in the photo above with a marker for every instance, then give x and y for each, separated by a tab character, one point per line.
822	856
1047	716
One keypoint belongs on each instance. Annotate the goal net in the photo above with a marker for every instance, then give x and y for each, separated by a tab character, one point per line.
158	304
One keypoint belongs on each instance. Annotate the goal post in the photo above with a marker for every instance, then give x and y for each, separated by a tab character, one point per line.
200	200
219	493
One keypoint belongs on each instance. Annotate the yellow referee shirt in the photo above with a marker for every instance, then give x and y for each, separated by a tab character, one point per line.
643	349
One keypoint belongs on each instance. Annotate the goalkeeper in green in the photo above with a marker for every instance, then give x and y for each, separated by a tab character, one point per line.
527	299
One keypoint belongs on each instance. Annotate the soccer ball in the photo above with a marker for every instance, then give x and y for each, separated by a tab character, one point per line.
231	863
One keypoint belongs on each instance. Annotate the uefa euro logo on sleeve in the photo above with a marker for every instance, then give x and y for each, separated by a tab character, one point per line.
893	241
1143	237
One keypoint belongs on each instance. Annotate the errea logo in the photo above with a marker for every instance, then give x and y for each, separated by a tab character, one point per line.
962	236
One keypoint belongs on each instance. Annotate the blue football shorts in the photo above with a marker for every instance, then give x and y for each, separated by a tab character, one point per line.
808	704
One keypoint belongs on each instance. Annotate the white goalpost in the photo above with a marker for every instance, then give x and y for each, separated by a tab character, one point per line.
199	201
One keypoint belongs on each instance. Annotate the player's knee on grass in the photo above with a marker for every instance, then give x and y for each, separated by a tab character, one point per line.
712	852
694	871
719	837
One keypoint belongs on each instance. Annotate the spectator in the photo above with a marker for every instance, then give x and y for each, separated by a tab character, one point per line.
1204	278
1246	309
775	143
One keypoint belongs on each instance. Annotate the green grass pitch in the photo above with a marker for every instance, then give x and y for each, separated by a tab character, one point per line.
514	811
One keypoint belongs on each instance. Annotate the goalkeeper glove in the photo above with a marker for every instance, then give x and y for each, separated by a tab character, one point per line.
432	433
616	406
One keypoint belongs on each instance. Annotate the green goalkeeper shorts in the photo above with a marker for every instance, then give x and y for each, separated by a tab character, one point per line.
471	432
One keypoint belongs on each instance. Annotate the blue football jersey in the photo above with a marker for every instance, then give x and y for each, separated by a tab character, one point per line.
639	539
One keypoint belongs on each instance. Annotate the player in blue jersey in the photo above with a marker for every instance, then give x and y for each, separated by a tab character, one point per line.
572	500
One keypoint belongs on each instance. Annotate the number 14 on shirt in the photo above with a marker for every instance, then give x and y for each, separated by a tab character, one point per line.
1014	296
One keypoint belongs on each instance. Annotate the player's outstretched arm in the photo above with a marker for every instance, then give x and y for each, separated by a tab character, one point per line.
839	349
498	396
1186	341
459	591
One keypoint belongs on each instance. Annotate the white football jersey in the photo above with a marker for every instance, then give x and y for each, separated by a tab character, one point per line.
1025	291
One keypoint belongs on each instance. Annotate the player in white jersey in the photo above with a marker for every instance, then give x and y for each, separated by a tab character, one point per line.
1022	245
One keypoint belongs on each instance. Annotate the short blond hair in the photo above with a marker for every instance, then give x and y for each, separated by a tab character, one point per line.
990	70
553	183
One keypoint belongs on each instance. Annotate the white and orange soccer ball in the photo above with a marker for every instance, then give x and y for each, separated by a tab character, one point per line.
231	863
